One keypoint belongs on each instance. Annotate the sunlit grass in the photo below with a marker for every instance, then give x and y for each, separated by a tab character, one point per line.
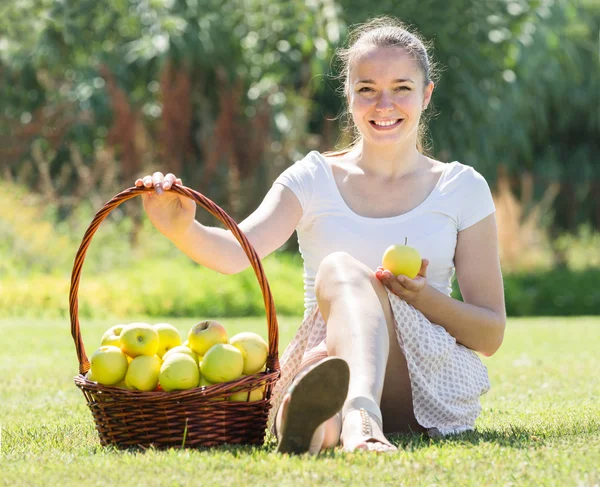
540	423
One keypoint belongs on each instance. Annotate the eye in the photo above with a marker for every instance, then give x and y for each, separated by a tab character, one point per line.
364	89
401	88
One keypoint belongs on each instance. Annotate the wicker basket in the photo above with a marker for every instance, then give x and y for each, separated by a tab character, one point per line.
200	417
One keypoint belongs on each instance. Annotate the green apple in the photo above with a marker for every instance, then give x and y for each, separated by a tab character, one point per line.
179	372
222	363
402	260
139	339
204	382
168	338
205	334
143	373
112	336
108	365
242	396
182	349
254	350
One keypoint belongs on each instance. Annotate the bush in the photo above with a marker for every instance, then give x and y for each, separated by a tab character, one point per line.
556	292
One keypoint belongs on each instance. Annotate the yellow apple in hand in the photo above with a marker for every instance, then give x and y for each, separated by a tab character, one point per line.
112	336
143	371
402	260
168	338
254	350
108	365
222	363
179	372
184	350
139	339
205	334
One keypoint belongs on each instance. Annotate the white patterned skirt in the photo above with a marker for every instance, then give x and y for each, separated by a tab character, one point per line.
446	378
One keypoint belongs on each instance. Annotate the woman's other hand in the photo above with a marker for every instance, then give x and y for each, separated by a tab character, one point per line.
402	286
171	213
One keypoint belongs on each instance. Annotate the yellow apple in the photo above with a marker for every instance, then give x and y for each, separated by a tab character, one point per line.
112	336
168	338
182	349
179	372
254	350
402	260
205	334
139	339
108	365
242	396
222	363
143	373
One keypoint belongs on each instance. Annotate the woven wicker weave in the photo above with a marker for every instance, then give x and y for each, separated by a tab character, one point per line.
192	418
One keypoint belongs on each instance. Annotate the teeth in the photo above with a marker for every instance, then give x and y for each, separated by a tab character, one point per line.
385	124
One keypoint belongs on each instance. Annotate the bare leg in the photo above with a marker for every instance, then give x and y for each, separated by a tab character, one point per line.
360	329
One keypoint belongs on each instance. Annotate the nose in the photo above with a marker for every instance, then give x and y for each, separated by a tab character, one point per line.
384	103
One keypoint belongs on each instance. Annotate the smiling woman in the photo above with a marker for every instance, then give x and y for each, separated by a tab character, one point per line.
376	353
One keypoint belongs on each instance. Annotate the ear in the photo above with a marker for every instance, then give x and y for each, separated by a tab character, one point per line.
427	94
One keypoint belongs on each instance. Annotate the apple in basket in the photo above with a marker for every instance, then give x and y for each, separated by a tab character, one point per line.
143	371
139	339
168	338
222	363
108	366
179	371
112	336
254	350
184	350
205	334
242	396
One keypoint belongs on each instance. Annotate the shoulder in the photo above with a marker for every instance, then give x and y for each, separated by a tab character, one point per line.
461	177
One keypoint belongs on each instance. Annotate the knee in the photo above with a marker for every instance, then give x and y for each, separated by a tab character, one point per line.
338	269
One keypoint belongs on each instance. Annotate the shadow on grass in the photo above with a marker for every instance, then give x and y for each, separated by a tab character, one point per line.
511	437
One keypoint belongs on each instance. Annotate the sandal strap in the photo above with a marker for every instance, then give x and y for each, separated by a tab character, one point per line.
365	405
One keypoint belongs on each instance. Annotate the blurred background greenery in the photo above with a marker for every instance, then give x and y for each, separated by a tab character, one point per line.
228	93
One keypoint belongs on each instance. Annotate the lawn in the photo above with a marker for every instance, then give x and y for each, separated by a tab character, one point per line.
540	423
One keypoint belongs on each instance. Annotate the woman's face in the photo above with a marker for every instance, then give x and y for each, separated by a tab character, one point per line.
387	95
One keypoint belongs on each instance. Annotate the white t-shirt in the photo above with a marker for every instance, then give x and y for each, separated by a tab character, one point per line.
460	199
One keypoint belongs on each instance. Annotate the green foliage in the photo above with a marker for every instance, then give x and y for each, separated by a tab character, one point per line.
555	292
517	83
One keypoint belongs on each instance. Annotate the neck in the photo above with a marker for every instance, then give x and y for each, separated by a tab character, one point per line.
388	162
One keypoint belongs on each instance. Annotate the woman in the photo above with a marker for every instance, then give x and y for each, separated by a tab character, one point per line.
376	353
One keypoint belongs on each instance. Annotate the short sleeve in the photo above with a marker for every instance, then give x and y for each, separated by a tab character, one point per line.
299	178
476	200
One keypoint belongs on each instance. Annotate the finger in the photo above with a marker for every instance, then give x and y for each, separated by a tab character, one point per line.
157	182
147	181
179	182
408	283
139	182
423	269
169	180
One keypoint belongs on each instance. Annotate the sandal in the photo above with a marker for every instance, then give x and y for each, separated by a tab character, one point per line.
316	395
369	411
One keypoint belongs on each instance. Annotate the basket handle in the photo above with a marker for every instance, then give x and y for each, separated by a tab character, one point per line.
211	207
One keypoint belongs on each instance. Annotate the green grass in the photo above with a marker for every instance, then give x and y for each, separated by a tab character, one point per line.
540	423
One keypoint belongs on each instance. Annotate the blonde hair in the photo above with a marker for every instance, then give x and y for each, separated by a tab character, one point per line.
383	32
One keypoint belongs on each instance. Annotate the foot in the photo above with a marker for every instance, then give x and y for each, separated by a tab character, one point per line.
313	398
362	427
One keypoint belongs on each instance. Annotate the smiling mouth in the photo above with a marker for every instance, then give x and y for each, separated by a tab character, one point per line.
387	124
